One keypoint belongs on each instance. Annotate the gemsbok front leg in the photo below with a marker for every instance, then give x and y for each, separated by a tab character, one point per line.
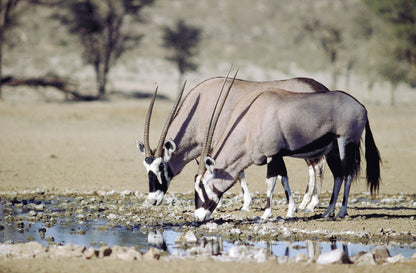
276	168
246	192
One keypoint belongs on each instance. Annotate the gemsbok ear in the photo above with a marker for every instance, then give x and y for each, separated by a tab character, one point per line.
140	147
209	164
169	148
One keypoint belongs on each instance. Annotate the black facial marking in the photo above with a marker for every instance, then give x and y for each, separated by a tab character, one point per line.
208	204
154	184
168	145
198	201
149	160
204	192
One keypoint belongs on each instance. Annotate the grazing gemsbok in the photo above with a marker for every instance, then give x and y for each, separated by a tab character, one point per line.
269	124
183	135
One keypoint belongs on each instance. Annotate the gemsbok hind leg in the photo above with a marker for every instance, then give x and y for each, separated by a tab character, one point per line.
313	189
318	167
351	166
310	188
277	168
334	164
246	192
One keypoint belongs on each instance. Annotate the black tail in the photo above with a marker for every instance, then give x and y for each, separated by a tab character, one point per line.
372	156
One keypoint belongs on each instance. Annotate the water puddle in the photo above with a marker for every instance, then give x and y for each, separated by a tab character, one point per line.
97	233
58	221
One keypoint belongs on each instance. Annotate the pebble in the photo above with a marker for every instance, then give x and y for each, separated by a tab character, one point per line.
90	253
104	251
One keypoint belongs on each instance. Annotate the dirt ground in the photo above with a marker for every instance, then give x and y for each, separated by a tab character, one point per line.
91	146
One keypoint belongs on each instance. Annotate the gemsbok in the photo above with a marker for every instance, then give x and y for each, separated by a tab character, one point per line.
304	125
182	138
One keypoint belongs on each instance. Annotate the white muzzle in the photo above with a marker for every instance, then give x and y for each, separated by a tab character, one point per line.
156	197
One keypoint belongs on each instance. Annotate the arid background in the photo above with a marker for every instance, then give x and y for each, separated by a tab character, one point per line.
51	144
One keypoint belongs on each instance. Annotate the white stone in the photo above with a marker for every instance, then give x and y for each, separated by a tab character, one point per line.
335	256
399	258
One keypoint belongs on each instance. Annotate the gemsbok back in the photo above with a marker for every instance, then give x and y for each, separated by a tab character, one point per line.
182	138
272	123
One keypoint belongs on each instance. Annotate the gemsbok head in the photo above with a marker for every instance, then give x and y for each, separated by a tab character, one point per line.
155	160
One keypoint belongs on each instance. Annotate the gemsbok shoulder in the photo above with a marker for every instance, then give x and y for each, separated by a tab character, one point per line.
304	125
182	138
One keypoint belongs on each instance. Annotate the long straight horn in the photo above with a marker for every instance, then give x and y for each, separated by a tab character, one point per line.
148	151
159	148
213	122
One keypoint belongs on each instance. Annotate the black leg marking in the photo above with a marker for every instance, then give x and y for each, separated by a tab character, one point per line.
268	203
276	167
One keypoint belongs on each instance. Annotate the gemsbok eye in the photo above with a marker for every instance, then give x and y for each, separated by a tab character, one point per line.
161	167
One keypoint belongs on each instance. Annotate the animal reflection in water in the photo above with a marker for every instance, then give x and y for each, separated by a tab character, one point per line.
213	245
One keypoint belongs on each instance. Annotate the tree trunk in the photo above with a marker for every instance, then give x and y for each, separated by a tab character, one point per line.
100	79
102	85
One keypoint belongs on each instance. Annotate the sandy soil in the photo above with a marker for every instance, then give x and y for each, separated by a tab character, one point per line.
91	146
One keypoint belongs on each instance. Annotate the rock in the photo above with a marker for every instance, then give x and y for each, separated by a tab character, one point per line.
333	257
399	258
380	254
27	250
190	237
66	251
366	259
126	254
